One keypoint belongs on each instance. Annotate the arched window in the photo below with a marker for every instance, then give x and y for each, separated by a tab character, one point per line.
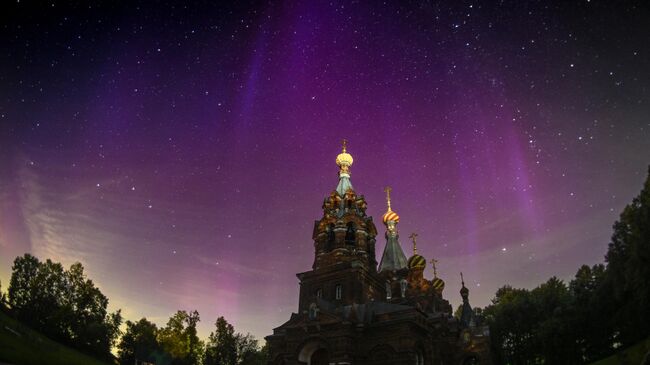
339	291
330	237
382	355
350	234
419	358
314	352
319	293
313	311
402	286
320	357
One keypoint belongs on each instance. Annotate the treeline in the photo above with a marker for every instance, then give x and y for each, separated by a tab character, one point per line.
178	344
604	309
67	307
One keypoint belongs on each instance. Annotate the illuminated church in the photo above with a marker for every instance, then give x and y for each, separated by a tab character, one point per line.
353	311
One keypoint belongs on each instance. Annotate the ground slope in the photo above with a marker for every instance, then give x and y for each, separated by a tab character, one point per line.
21	345
632	355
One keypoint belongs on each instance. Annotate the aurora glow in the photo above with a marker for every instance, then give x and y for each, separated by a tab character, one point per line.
182	152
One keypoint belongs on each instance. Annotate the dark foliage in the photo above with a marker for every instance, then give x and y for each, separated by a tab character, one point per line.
603	308
225	347
178	344
179	339
628	269
63	304
3	297
139	343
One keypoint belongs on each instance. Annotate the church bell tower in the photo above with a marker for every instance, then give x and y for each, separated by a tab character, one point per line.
345	268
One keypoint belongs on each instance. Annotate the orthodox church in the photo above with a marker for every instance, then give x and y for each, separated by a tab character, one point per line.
353	311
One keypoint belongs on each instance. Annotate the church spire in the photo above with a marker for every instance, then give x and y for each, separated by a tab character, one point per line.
467	314
390	218
393	257
388	190
416	262
435	269
464	292
344	160
414	237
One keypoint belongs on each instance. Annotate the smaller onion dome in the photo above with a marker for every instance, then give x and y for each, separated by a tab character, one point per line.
417	262
438	284
464	292
390	216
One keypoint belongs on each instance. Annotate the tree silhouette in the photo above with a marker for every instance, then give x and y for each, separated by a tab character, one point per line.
591	301
226	347
511	326
221	348
3	297
628	264
63	304
139	343
179	338
247	351
603	307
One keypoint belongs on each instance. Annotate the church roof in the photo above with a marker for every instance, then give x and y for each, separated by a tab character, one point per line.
393	257
467	314
344	184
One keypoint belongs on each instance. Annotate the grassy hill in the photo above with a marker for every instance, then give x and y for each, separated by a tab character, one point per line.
21	345
633	355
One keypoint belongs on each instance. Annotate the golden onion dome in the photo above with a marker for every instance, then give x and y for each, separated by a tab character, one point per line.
417	262
344	158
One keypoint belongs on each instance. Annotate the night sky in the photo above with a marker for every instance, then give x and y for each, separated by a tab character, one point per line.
182	152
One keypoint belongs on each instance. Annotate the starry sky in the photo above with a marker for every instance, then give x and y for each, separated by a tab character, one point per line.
182	152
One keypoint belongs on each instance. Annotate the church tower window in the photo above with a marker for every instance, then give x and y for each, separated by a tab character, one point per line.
338	291
319	293
330	237
350	234
419	358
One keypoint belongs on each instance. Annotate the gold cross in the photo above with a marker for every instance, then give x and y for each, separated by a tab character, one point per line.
433	263
387	190
414	236
345	144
